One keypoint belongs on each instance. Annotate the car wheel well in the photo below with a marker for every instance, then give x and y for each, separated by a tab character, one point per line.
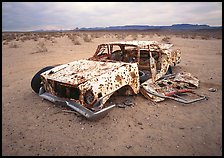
36	80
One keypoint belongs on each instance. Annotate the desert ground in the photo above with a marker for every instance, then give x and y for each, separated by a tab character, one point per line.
33	126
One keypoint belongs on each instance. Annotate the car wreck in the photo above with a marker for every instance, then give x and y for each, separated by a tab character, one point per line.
127	67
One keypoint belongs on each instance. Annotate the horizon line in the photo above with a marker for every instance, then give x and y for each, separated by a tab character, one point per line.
107	27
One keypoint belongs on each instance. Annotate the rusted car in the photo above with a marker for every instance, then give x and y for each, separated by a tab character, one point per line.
125	67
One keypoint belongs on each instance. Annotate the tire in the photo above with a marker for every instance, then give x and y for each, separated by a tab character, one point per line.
142	76
35	82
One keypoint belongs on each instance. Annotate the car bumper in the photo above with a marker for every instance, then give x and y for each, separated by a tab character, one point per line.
76	106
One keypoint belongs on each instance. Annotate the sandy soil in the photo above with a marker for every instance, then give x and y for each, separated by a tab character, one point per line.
33	126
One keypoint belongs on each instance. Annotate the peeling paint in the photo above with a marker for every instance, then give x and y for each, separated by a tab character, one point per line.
115	66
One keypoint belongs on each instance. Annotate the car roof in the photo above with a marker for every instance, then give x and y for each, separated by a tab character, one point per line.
134	43
142	44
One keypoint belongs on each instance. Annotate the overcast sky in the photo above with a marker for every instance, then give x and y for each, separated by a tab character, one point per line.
26	16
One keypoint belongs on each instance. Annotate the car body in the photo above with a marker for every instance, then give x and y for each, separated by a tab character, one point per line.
85	85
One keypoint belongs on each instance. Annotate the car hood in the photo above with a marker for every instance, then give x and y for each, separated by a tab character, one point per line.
77	72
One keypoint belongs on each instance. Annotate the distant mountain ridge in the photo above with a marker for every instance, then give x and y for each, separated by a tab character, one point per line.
139	27
146	27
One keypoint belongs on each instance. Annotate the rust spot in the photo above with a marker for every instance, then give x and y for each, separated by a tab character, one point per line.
133	75
118	79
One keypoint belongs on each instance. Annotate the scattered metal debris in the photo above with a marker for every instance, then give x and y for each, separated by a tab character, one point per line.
178	88
212	90
128	102
128	146
121	105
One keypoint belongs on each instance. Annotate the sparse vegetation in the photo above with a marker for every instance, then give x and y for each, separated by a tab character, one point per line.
5	43
134	36
166	39
76	42
143	35
41	47
205	37
13	45
53	40
74	38
95	35
121	35
87	38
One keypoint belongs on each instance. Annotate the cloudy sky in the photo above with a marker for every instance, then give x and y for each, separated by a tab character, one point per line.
26	16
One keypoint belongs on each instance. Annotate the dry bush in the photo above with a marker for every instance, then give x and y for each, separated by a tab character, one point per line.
87	38
41	47
134	36
53	40
108	35
76	42
184	36
143	35
34	37
205	37
121	36
53	34
24	38
193	37
5	43
74	39
96	35
47	37
41	35
9	36
166	39
13	45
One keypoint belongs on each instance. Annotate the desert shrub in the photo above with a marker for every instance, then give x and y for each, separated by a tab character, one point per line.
47	37
143	35
184	36
35	38
193	37
73	38
134	36
95	35
53	40
76	42
87	38
121	36
13	45
5	43
24	38
205	37
8	36
41	47
166	39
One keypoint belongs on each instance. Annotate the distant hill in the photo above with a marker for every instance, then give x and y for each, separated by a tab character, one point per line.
147	27
48	30
140	27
